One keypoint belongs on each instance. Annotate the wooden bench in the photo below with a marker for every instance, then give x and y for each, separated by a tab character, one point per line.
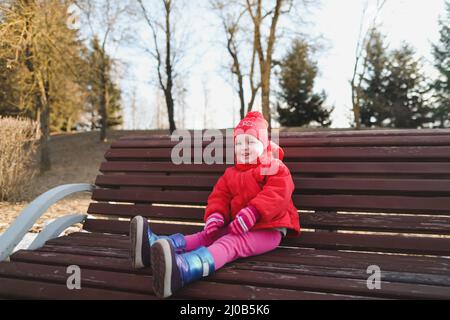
365	198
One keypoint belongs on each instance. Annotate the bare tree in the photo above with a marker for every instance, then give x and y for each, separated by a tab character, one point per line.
231	15
180	96
106	23
258	13
161	111
359	69
165	52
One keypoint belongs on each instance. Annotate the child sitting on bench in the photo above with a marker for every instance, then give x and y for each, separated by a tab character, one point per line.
248	212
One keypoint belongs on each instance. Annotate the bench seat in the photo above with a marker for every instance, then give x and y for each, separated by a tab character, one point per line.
365	198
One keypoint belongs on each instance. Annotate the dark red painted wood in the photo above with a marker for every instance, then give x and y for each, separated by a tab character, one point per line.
414	168
394	171
364	203
309	220
435	187
335	241
299	142
320	153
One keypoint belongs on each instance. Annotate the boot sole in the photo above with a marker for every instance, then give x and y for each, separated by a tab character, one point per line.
136	242
161	258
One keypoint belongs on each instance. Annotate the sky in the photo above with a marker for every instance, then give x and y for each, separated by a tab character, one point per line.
335	22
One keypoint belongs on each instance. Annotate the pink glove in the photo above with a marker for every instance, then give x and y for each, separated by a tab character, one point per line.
245	220
214	222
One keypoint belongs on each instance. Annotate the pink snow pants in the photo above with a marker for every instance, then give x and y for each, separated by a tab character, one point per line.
226	246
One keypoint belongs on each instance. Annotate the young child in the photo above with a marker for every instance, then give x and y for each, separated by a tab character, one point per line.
248	212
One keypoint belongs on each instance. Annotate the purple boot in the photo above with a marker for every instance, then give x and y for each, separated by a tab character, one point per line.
172	271
142	238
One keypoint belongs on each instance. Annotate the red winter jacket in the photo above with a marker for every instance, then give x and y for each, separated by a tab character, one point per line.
271	195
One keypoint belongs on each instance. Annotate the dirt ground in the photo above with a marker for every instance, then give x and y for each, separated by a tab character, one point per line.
75	158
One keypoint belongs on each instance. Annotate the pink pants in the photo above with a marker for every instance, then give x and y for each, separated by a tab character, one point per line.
226	246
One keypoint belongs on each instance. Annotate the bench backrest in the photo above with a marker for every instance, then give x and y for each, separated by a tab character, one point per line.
400	177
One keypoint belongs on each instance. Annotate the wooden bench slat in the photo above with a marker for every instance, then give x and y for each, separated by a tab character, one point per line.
142	283
159	166
300	255
320	240
342	259
309	220
353	272
407	263
86	250
206	289
365	203
376	243
277	265
423	187
309	263
383	223
328	153
26	289
107	243
328	284
411	266
135	283
316	133
213	290
162	212
365	133
300	142
304	167
97	278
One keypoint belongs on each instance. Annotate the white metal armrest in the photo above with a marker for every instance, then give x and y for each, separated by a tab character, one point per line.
28	217
55	228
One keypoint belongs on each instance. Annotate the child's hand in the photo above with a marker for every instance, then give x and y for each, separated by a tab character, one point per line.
214	222
245	220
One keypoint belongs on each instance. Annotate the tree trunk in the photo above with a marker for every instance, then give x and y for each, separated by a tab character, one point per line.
356	108
241	96
44	120
45	163
170	111
265	96
69	124
169	87
102	106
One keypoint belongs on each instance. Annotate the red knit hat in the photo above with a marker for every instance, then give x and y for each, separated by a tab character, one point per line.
254	124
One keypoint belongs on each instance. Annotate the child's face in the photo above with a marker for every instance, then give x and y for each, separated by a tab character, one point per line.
247	148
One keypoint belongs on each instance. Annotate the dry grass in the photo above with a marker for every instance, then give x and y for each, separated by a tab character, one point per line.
18	149
75	158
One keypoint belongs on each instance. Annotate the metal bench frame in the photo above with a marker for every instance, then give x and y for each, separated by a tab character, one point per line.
28	217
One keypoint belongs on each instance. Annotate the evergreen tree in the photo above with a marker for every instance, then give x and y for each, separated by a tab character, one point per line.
374	105
405	91
441	53
300	106
393	89
103	92
8	98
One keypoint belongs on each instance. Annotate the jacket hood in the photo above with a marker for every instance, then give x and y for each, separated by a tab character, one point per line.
277	151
